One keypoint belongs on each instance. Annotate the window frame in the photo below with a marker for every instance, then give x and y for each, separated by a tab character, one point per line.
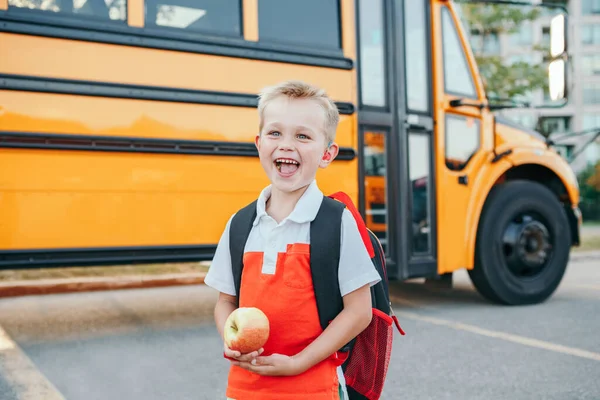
475	96
592	3
590	116
591	93
592	27
496	42
566	120
516	38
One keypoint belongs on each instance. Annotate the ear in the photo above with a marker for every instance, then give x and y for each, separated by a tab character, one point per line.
257	141
330	154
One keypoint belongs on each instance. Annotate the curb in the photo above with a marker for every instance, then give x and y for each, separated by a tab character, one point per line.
71	285
589	255
55	286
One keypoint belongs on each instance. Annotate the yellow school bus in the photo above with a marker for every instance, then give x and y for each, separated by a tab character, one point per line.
127	126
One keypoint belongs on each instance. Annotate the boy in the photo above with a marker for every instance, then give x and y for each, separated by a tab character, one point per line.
296	137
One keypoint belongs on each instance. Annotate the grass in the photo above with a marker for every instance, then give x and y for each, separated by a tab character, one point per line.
590	239
101	271
588	243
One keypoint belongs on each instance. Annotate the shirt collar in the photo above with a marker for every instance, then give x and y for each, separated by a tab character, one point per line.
305	210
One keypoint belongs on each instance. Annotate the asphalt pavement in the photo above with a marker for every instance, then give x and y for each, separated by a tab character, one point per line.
161	343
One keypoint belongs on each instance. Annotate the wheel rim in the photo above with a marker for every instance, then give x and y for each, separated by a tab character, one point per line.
527	245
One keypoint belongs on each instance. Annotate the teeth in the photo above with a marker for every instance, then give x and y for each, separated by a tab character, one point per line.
286	161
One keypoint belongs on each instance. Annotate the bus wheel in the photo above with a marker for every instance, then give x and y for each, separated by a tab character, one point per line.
523	243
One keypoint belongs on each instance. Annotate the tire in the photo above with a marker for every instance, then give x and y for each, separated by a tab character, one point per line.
523	244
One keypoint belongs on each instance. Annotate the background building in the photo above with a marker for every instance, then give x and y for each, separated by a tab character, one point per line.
583	109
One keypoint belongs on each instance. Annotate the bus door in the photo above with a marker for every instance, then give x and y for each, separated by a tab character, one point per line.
397	194
464	129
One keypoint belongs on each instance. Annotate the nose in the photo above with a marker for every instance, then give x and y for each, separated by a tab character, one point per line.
286	144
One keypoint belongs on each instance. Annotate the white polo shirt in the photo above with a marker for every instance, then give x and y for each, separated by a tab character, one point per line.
355	269
267	236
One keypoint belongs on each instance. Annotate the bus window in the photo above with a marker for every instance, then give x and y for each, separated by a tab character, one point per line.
462	140
115	10
308	23
222	17
420	180
457	77
375	184
372	55
417	86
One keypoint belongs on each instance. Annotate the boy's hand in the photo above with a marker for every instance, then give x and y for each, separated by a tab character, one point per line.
236	355
273	365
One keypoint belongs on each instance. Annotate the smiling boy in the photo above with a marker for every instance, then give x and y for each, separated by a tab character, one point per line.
296	137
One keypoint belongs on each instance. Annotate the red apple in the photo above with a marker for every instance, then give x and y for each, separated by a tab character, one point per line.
246	330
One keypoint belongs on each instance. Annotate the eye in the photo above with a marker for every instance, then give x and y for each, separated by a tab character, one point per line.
302	136
274	133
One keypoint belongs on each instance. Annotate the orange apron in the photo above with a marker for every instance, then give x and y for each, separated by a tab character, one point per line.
288	300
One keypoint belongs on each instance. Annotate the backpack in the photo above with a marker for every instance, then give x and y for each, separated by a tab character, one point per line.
365	358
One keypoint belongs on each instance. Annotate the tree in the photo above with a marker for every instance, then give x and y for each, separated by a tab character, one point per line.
594	177
589	192
502	79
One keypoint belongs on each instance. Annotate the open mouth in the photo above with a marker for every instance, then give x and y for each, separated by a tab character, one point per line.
286	166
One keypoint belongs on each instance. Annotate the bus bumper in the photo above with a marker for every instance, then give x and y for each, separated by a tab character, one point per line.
575	221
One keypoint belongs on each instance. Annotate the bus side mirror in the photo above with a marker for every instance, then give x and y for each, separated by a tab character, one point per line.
558	42
557	68
556	79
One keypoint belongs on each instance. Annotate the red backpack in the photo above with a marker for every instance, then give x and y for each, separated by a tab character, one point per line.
364	359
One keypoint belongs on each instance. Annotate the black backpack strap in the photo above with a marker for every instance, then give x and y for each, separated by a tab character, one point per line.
380	296
239	229
325	240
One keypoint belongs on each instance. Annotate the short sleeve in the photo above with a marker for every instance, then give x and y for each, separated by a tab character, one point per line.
220	275
356	268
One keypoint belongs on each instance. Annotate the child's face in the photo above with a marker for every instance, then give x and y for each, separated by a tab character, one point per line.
292	144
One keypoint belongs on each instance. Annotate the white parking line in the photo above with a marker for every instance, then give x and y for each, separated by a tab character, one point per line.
6	342
502	336
20	372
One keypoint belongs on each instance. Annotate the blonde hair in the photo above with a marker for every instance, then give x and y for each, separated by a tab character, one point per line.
301	90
